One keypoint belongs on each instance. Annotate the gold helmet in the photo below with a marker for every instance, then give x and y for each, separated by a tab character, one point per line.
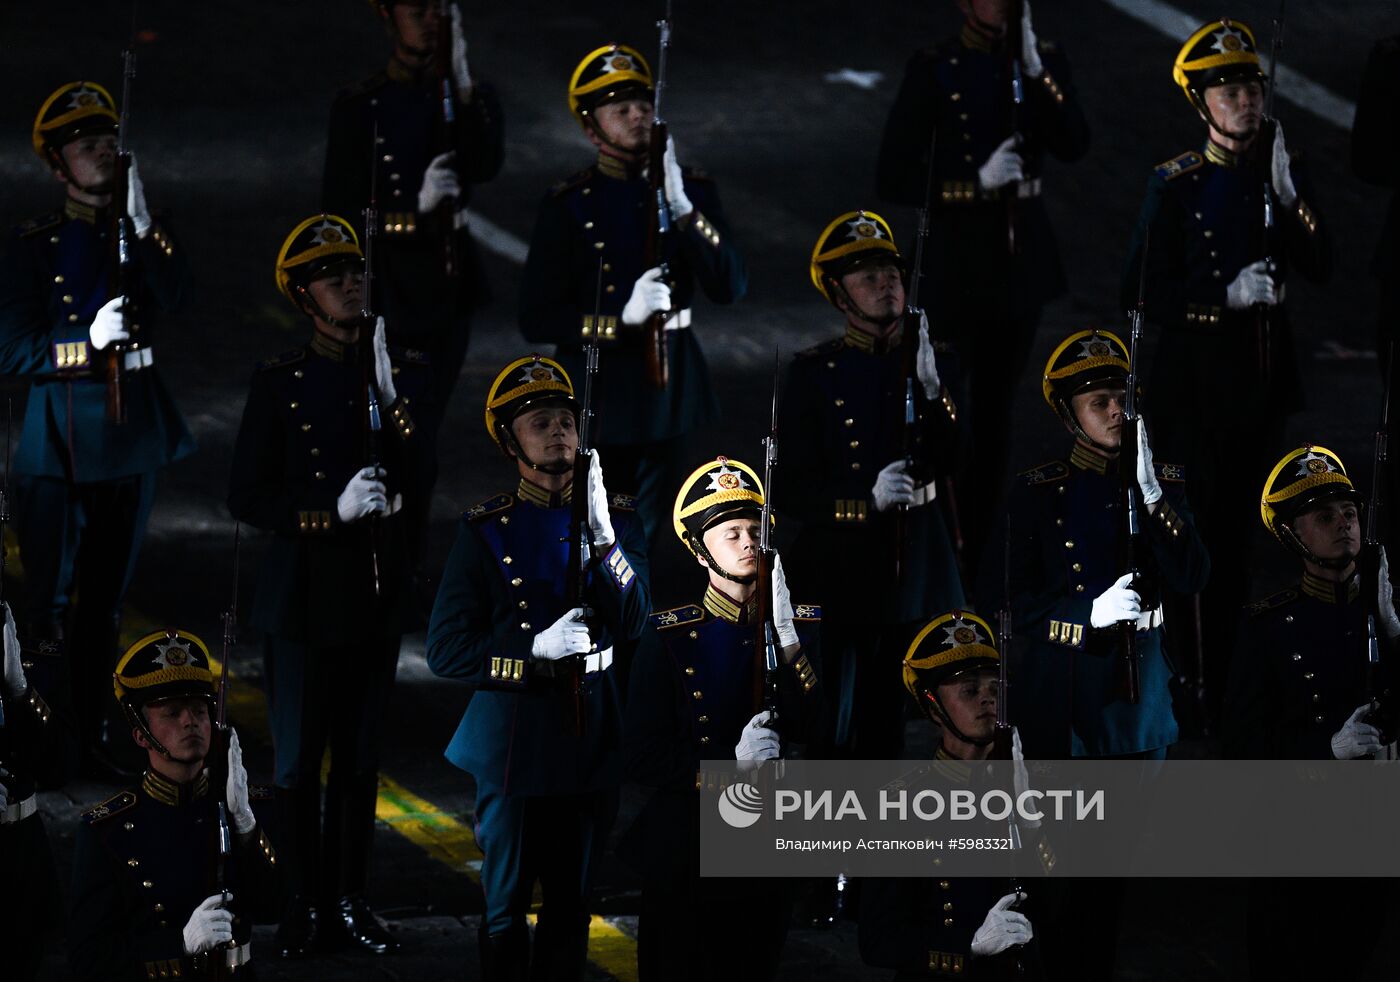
715	491
168	664
850	240
1303	477
525	383
607	74
317	244
1221	51
73	110
948	646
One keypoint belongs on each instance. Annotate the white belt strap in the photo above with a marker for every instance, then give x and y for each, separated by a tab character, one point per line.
20	810
679	321
134	361
1149	619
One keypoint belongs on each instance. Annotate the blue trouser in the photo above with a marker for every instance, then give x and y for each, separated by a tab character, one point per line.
336	696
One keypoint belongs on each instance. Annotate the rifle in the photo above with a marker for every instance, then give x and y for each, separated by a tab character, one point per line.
446	132
766	640
580	531
658	238
1002	739
216	763
1130	532
1263	313
1382	714
373	422
123	239
1016	57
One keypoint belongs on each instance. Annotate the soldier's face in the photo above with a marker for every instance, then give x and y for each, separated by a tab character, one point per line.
626	123
734	545
990	13
1100	415
92	162
874	295
416	25
548	436
1331	530
971	703
182	727
1236	108
338	292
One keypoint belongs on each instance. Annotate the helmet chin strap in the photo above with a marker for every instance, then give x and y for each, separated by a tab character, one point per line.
947	721
316	310
514	445
1067	414
1218	127
1291	539
714	566
57	159
855	308
591	120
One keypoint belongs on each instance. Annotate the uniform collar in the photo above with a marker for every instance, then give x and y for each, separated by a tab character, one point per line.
1329	592
869	343
330	348
160	788
399	72
729	610
975	40
1087	460
80	211
617	168
1221	157
540	498
951	768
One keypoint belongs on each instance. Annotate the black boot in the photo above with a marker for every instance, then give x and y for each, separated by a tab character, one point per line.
299	813
505	957
363	927
299	932
561	948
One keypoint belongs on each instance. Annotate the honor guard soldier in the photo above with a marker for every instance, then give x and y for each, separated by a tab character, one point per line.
324	459
153	898
24	845
991	262
1214	288
1069	593
542	731
85	478
440	131
601	214
1301	689
857	488
961	926
698	691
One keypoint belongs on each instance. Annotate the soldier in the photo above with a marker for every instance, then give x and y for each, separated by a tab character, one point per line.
992	262
151	898
541	733
965	926
23	843
311	466
691	696
1225	335
1299	690
84	480
429	276
600	214
1069	593
853	488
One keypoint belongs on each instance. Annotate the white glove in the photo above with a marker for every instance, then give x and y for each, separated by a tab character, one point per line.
383	367
566	636
758	741
1003	167
925	365
1002	928
4	791
782	606
439	183
1253	285
1356	738
1030	56
599	518
1385	599
675	185
1119	602
240	812
136	202
892	487
1146	473
461	74
108	324
209	926
1020	777
364	495
649	295
1281	174
15	682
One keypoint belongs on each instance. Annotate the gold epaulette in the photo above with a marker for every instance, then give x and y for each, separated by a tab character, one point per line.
492	505
1170	170
41	224
1054	470
677	616
806	612
289	357
115	805
572	181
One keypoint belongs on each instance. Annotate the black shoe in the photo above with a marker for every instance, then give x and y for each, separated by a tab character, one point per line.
364	928
298	933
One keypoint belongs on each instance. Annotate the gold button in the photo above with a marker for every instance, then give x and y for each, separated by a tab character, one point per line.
1297	657
72	318
587	224
507	560
58	278
159	908
1317	719
607	267
1308	676
505	519
1060	522
68	298
388	158
850	422
610	289
698	694
147	884
704	740
128	826
947	922
294	404
855	466
523	605
598	246
1078	567
694	635
298	373
948	905
1209	233
955	96
524	625
840	403
1079	588
1069	543
133	863
1288	619
1061	489
516	581
1316	697
944	885
702	719
689	670
320	475
855	444
161	924
306	427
